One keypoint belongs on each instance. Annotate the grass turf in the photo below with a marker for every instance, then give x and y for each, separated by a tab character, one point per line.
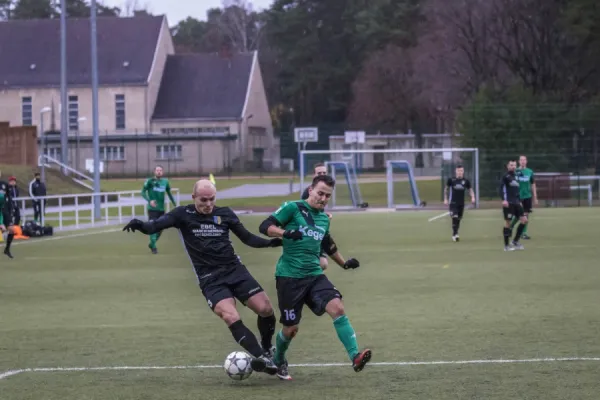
104	300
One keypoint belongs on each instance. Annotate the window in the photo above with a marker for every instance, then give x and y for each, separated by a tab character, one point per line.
112	153
53	152
204	131
120	111
27	111
73	113
168	152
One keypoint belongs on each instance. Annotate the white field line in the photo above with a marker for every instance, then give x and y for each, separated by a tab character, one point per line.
313	365
34	240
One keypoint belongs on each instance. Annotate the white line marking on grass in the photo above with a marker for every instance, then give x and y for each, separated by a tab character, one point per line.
33	240
13	372
312	365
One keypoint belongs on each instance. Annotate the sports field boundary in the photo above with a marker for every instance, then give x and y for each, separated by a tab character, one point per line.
14	372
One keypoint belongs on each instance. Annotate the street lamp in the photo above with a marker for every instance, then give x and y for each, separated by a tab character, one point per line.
43	138
81	119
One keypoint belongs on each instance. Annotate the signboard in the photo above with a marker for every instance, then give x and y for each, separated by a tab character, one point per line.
307	134
352	137
89	165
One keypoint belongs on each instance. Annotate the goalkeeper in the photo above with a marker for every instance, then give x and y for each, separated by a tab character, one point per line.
299	278
153	192
528	192
6	216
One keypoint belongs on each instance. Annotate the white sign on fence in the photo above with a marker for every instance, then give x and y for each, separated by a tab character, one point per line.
306	134
89	165
351	137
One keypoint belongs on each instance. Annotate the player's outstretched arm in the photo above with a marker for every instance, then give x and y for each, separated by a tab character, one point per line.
271	227
148	228
168	190
250	239
332	251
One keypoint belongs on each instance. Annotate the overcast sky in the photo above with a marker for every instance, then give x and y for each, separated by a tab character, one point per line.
176	10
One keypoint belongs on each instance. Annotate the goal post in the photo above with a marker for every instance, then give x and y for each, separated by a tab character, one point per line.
391	177
406	167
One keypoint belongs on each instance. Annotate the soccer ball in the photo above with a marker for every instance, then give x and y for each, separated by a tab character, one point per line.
237	365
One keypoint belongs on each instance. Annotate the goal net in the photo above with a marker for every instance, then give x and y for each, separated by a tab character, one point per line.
391	178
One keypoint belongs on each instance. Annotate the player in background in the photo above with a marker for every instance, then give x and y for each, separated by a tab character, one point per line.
204	229
528	192
320	169
153	192
6	216
299	278
454	196
37	188
512	207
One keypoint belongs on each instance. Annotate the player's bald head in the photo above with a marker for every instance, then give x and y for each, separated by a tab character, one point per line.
204	187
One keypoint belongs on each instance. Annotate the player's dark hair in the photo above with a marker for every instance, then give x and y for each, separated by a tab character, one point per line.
36	174
459	166
319	164
326	179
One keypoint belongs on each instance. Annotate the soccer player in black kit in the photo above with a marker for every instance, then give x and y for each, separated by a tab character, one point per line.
454	196
222	277
512	207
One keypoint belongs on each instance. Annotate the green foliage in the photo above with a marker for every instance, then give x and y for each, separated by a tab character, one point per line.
506	124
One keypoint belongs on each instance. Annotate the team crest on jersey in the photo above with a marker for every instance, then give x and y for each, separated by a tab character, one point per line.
217	220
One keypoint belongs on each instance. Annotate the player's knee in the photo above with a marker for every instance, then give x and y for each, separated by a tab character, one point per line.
261	305
290	331
335	308
324	263
227	312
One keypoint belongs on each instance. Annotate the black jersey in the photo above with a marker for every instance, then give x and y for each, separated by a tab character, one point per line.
206	236
510	188
456	190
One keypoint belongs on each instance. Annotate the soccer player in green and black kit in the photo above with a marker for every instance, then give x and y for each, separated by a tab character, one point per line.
300	280
528	192
154	193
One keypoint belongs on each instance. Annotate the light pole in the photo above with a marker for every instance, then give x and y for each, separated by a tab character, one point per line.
96	135
81	119
43	139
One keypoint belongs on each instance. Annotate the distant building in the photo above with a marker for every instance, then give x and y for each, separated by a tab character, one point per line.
193	113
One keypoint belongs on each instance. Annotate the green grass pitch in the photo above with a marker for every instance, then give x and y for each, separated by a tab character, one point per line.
103	301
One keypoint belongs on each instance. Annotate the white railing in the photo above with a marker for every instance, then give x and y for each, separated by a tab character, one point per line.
76	211
81	177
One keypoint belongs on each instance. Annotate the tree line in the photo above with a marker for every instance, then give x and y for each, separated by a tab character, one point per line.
509	75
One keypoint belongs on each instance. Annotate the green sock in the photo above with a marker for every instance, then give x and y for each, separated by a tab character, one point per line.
153	239
346	335
526	225
281	345
514	222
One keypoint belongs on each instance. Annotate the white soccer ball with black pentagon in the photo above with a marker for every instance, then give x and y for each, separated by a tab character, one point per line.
237	365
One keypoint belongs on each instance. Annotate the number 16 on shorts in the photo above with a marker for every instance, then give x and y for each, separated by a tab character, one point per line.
290	315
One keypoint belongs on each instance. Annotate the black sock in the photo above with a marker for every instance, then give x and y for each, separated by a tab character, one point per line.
507	234
454	226
245	338
520	230
457	225
266	327
9	240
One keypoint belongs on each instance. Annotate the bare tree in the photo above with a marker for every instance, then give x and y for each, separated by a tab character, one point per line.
241	25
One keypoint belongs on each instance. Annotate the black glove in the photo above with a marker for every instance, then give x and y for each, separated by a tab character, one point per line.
276	242
294	235
351	264
133	225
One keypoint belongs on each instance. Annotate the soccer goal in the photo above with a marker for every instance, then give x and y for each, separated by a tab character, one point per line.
390	177
348	194
402	190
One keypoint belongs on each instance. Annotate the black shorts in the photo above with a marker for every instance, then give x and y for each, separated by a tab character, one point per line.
8	216
235	283
293	293
456	210
154	215
527	205
513	211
